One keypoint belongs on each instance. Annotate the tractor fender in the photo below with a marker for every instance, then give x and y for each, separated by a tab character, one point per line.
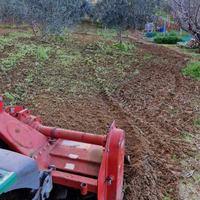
25	168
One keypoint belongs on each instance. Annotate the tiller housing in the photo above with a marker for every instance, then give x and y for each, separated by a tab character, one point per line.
45	156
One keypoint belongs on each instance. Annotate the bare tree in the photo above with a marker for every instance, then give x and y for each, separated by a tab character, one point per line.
187	14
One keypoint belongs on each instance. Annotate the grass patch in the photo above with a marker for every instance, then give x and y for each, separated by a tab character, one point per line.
193	69
8	27
108	37
58	38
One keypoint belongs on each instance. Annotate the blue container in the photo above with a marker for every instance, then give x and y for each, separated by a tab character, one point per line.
163	29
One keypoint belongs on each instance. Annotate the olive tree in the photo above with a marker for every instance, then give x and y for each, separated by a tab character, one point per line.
187	14
124	14
44	17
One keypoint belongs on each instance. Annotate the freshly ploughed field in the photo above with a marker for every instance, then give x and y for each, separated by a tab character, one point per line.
83	82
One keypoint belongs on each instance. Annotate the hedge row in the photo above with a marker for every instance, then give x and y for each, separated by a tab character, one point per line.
168	40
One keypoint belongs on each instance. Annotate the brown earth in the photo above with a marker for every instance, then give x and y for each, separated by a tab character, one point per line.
153	108
4	31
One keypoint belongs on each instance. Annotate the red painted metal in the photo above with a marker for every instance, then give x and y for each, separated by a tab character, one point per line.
84	161
20	137
84	188
112	166
64	134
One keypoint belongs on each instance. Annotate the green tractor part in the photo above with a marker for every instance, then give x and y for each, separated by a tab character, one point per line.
6	180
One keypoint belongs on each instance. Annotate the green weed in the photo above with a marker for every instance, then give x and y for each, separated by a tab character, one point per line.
148	57
171	190
135	72
58	38
108	37
173	111
118	46
22	35
176	139
197	177
174	157
193	69
196	120
187	136
42	53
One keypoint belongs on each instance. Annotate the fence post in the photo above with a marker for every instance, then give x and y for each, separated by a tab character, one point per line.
164	26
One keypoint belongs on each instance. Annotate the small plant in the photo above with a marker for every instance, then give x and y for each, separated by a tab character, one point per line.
147	57
171	190
108	37
42	53
166	198
193	70
197	177
118	46
173	111
196	120
176	139
174	157
58	38
135	72
182	163
187	136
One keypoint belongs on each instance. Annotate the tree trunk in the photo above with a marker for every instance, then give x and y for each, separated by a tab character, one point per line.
199	49
38	45
120	35
107	32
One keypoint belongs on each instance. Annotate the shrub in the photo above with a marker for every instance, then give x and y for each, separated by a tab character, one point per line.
173	33
154	34
168	40
193	70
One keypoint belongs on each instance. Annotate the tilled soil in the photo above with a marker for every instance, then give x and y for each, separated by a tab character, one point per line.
154	107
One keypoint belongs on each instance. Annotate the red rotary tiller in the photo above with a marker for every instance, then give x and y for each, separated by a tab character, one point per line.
42	157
